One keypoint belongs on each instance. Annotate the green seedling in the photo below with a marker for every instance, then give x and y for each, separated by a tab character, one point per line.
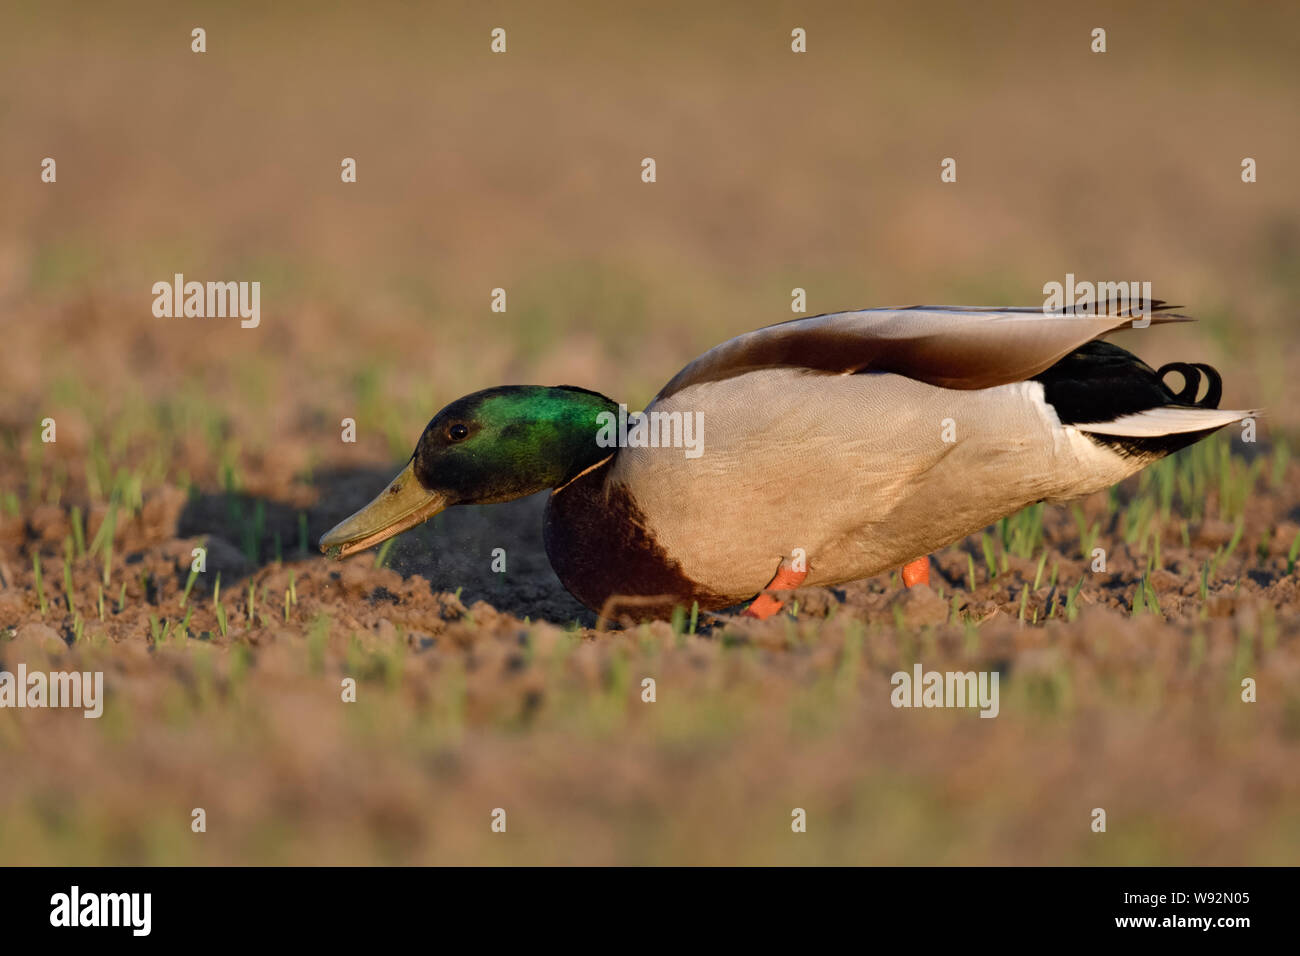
159	631
1152	600
1224	553
1071	600
189	584
678	620
986	544
67	581
1137	519
1038	574
1261	549
1087	533
217	606
105	532
108	562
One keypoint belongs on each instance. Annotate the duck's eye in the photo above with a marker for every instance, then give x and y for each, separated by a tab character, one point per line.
457	432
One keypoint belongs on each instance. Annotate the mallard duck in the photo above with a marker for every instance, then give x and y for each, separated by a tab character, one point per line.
828	449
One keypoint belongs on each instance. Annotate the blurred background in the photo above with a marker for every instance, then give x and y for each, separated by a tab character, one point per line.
522	171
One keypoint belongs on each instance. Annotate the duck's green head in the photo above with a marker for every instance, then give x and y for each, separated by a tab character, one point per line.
493	445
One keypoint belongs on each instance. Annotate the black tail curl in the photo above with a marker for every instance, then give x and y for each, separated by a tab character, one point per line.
1191	373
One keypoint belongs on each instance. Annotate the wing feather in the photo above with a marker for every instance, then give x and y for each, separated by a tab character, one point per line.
947	346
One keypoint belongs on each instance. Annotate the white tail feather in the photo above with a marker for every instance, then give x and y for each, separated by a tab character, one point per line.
1166	420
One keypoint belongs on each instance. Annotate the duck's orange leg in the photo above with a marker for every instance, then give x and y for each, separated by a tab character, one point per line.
768	604
917	572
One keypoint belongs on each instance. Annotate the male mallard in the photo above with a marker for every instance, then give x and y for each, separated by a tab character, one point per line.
832	448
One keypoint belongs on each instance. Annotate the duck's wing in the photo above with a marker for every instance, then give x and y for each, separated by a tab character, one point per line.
945	345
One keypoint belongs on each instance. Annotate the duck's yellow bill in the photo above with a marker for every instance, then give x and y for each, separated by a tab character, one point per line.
403	504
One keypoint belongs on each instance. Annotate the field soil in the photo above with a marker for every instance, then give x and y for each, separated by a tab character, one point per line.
479	691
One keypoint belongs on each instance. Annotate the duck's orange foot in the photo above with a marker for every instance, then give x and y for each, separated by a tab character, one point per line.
767	604
917	572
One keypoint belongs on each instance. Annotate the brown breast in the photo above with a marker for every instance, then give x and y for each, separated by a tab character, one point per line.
605	556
